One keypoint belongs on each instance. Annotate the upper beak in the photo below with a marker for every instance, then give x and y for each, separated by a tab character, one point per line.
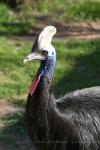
33	56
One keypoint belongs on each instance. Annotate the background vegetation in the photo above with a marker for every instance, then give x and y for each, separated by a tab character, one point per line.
78	61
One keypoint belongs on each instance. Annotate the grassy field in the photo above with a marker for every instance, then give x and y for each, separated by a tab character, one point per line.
25	17
78	61
66	9
77	67
80	67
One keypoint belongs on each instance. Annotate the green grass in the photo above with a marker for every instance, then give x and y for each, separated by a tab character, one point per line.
67	9
78	61
14	22
14	76
14	134
77	65
24	18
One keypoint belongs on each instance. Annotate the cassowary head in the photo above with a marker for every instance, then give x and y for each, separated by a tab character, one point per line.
42	47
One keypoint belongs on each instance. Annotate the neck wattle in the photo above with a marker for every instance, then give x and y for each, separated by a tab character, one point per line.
46	71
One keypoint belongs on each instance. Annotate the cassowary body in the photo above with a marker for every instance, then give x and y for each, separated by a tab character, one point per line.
69	123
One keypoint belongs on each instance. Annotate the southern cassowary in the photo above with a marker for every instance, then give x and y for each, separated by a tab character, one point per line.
69	123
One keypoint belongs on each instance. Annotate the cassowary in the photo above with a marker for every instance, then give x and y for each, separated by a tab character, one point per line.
69	123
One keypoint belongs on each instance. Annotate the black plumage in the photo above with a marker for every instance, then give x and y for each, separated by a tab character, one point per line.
72	122
69	123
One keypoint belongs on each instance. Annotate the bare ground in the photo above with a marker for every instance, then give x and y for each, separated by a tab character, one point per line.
65	30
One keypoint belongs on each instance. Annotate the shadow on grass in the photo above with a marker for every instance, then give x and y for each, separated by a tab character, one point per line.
84	73
14	28
13	135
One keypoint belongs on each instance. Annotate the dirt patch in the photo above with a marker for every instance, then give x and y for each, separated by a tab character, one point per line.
68	28
65	30
7	107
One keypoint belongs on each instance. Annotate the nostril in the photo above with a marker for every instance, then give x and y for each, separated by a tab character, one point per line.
26	57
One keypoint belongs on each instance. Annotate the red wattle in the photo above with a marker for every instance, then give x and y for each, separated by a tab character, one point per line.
34	84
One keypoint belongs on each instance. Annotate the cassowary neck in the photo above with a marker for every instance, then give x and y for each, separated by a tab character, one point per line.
46	68
42	81
46	71
39	102
39	99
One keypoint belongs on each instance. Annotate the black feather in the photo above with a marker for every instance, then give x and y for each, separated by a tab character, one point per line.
70	123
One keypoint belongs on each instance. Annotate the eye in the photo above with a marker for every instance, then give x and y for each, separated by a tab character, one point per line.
45	53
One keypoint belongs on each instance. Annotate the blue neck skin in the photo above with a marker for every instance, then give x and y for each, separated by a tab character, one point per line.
47	67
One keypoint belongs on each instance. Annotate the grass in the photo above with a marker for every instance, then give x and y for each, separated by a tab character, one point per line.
13	22
77	60
14	134
77	67
24	18
80	67
67	9
13	73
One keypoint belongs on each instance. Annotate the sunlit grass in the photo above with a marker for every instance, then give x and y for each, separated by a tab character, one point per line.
75	10
14	75
24	18
77	66
78	61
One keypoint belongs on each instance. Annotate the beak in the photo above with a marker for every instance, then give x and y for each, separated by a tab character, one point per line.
33	56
